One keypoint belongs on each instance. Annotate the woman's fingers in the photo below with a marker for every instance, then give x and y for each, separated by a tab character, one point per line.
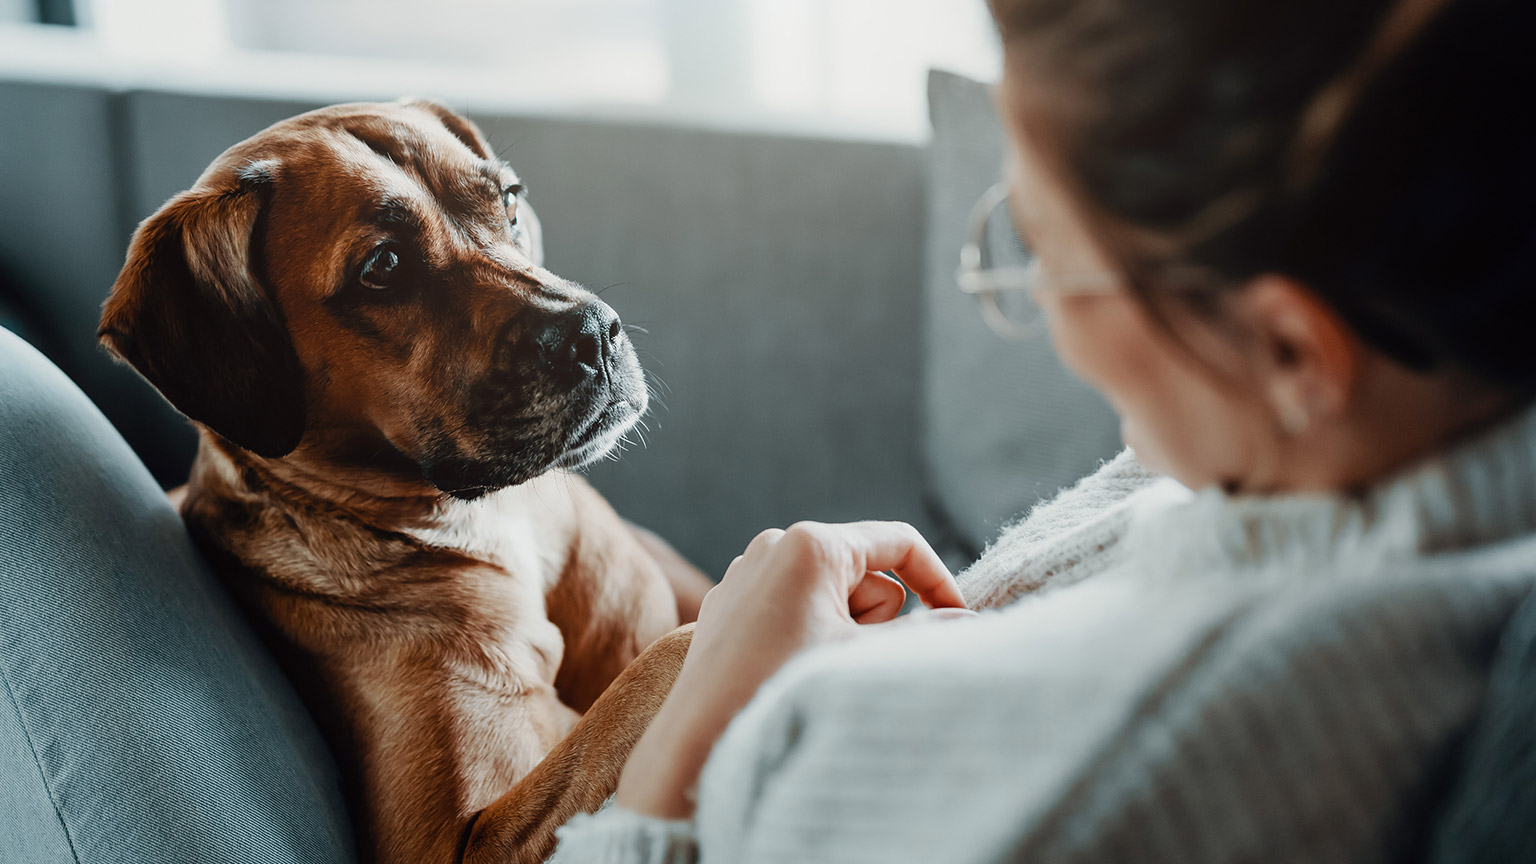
876	599
764	539
898	547
760	545
809	553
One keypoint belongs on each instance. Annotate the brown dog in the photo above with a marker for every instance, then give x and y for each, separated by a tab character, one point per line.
388	388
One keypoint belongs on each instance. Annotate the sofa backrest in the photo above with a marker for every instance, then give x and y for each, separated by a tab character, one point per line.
64	225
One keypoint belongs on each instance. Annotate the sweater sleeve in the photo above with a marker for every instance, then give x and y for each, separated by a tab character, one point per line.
1225	728
1063	540
619	836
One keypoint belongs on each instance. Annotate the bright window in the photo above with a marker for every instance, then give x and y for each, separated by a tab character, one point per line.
855	63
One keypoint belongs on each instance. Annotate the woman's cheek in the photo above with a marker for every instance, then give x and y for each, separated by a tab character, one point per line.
1099	339
1185	424
1113	345
1067	336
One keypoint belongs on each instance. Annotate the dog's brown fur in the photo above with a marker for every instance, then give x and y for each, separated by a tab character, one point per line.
379	473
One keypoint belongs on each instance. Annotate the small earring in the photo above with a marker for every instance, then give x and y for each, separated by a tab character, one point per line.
1294	417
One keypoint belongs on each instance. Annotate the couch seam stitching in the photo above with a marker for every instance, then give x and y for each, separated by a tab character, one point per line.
37	760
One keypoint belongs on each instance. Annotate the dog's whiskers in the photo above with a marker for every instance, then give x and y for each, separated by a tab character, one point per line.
655	396
660	385
503	151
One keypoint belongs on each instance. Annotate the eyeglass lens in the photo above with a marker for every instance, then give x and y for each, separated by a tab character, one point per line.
1003	250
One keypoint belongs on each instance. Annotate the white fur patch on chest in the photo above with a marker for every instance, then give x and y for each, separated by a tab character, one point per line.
514	532
499	529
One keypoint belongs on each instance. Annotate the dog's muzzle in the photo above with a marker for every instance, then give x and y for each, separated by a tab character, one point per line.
568	388
587	350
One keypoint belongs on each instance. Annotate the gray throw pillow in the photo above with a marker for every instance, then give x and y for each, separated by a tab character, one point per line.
1005	425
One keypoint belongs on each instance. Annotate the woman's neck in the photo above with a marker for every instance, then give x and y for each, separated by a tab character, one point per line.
1397	420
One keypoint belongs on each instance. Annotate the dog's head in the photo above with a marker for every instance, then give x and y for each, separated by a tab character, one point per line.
364	283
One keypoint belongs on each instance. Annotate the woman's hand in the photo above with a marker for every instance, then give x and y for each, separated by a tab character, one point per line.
790	590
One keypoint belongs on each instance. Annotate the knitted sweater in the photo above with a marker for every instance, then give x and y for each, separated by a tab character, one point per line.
1241	679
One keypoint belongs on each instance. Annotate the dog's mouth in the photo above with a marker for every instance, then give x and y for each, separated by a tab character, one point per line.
600	436
468	478
517	445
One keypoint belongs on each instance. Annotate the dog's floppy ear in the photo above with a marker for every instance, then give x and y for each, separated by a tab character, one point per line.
190	314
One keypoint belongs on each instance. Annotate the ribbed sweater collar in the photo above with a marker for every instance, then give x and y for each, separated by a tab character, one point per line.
1479	493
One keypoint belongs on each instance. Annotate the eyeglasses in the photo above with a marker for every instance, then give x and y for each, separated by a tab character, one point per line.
1005	276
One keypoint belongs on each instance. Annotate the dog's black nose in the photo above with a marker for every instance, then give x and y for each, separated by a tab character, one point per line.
580	340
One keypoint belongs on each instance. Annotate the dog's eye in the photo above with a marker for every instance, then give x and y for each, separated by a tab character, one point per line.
510	194
381	268
510	197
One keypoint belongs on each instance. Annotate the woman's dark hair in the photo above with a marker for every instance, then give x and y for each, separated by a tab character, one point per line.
1383	152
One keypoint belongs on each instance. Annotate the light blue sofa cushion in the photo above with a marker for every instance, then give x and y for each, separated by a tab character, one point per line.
140	718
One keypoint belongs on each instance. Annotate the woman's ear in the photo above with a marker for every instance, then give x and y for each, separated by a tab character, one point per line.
189	313
1307	358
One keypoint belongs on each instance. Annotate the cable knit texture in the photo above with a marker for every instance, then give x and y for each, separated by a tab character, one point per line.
1241	679
1068	538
